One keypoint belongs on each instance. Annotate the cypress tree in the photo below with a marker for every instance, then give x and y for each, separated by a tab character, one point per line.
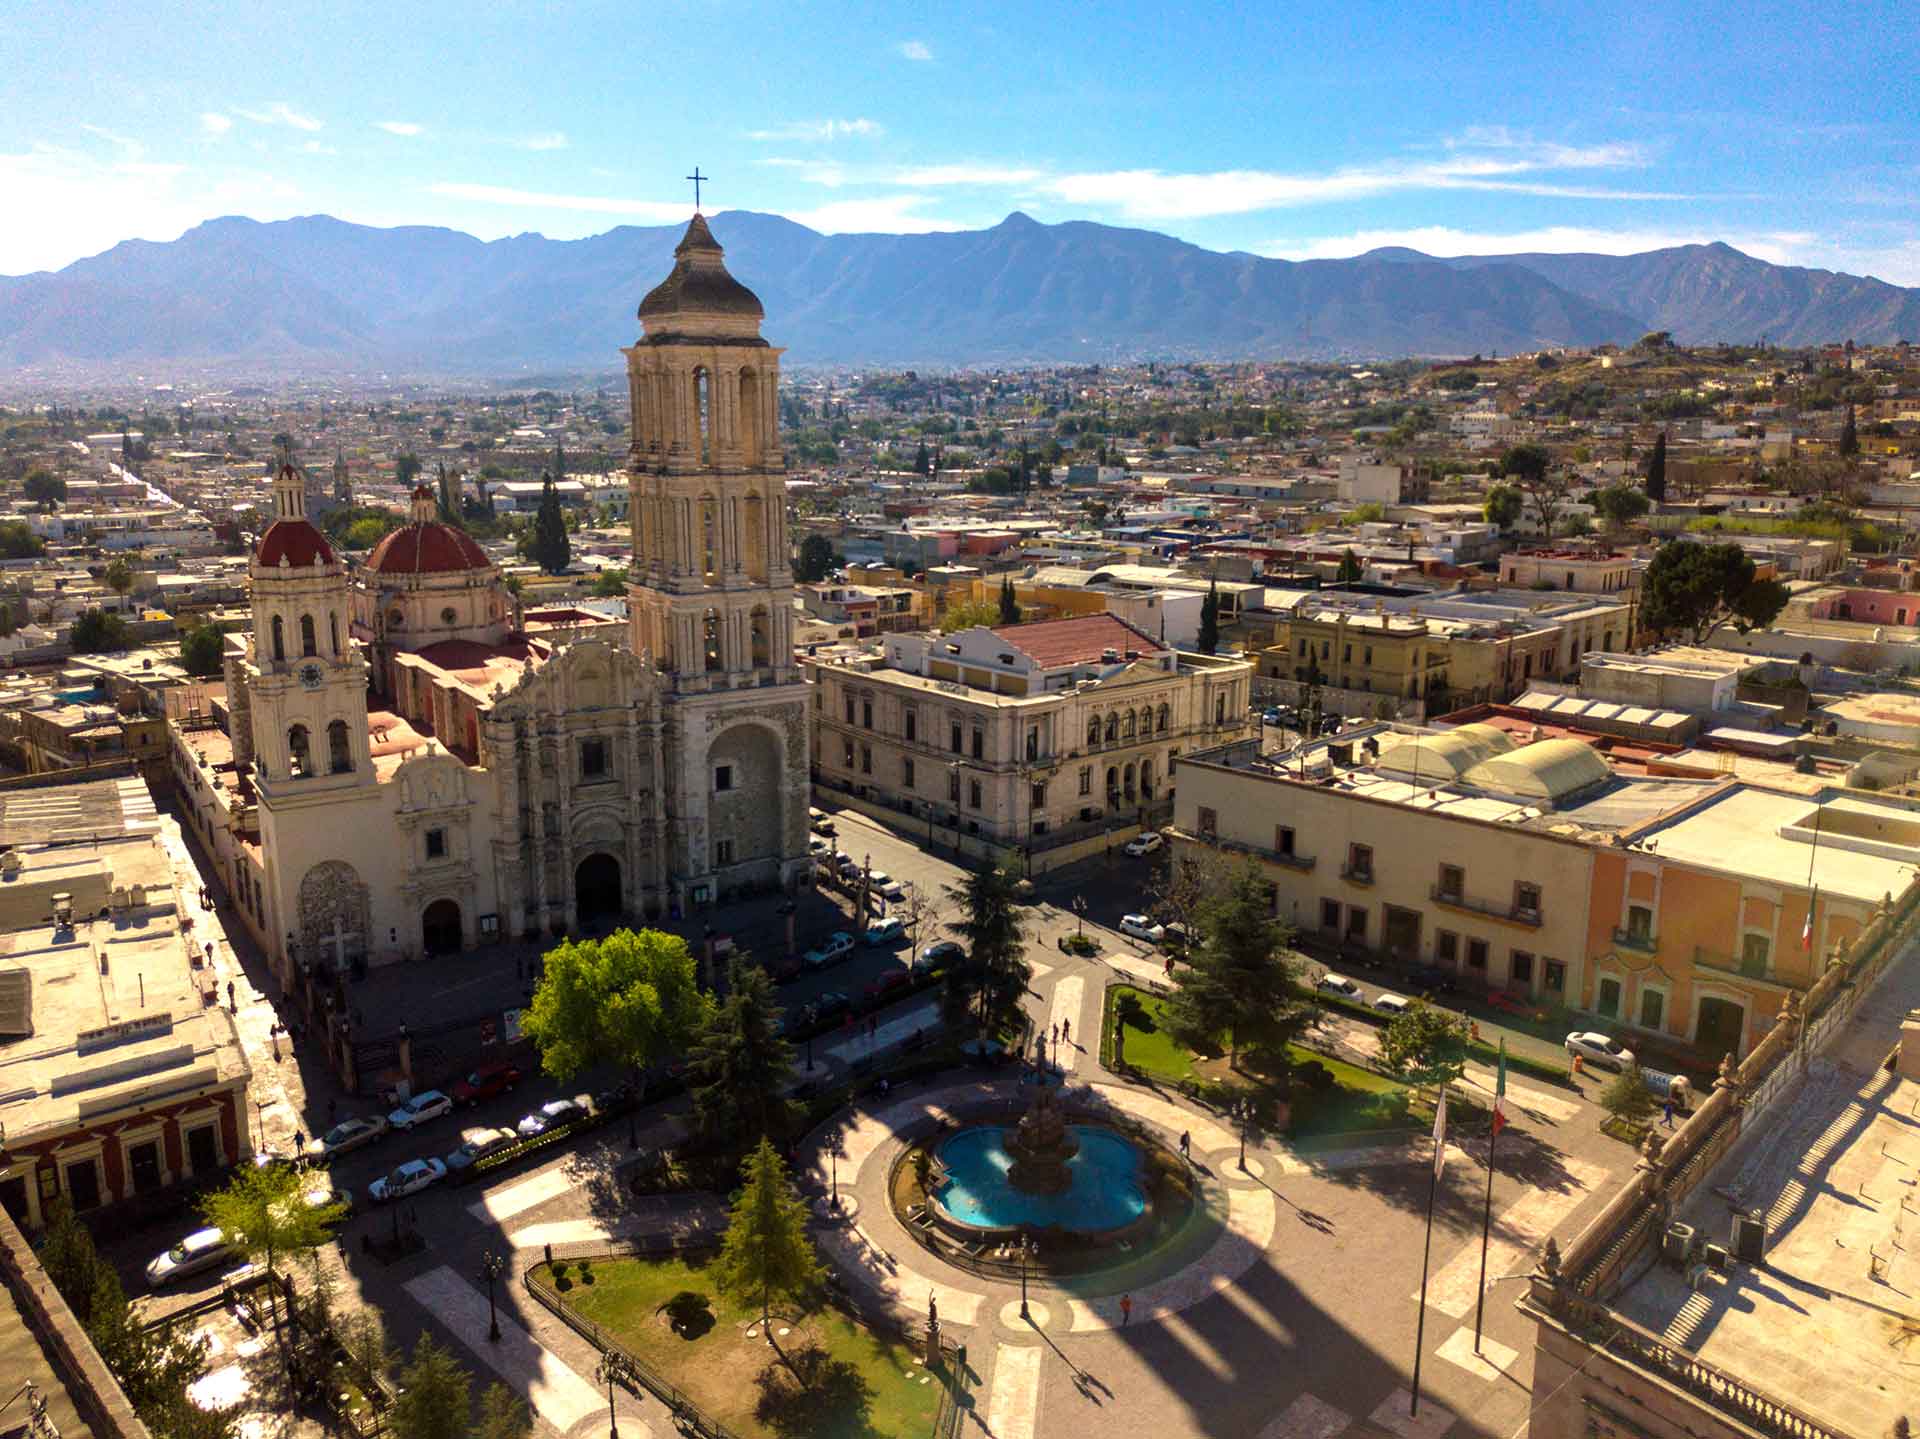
1849	437
1210	619
1657	469
1009	606
552	550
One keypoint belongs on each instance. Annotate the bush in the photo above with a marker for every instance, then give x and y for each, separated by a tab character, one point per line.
1627	1096
1314	1077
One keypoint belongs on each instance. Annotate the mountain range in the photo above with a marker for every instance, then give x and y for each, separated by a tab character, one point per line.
321	294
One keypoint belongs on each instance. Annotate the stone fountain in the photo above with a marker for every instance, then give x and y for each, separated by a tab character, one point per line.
1040	1146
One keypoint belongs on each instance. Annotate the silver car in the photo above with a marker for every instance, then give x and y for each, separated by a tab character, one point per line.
409	1178
200	1251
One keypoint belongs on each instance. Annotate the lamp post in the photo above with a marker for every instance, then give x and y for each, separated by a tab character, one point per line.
490	1267
613	1366
1080	915
1026	1248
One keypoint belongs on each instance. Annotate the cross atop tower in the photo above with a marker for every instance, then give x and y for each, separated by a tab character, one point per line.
697	177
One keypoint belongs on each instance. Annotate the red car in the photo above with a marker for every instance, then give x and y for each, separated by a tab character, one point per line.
1507	1003
885	989
486	1082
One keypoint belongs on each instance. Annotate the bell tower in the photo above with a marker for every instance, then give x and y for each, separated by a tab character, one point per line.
712	594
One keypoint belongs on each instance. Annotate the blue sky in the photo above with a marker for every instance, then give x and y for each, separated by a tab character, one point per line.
1300	130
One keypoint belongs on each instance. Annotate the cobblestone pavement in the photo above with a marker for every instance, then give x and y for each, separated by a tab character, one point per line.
1295	1321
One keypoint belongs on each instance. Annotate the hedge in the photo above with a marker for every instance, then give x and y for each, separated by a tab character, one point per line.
1477	1049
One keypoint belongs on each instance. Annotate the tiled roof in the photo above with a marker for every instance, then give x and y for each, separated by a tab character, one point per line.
1083	639
430	548
296	542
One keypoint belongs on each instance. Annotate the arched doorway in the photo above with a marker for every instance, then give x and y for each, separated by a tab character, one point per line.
440	928
1722	1024
596	889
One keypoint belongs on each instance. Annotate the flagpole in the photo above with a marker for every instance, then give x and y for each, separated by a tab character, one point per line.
1426	1257
1486	1217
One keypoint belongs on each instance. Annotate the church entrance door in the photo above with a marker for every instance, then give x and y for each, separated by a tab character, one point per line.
596	890
440	928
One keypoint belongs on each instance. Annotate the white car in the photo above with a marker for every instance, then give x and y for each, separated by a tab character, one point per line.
201	1250
409	1178
427	1104
477	1143
836	947
1337	984
1141	926
1597	1048
1145	843
348	1134
887	931
1391	1003
892	889
551	1115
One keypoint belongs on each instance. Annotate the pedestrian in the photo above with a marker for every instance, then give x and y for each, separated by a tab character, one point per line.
209	951
1666	1112
1169	966
233	1002
1066	1031
299	1141
1186	1145
1126	1310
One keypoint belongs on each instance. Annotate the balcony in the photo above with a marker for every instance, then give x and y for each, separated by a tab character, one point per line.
1356	876
1760	973
1644	943
1302	862
1492	909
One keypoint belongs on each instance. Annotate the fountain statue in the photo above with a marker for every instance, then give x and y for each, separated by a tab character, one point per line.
1040	1146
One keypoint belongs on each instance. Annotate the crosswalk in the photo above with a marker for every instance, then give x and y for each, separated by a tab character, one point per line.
1518	1231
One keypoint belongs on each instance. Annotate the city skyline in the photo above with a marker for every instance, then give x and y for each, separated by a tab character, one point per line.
1609	130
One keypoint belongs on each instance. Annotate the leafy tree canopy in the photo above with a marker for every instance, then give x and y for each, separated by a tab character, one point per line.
201	649
630	999
766	1252
97	632
1695	588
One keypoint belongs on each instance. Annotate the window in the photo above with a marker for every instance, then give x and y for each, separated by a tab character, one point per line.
307	645
1360	861
447	616
1346	654
849	699
593	758
1356	923
1653	1005
279	639
1330	914
1608	1001
1555	976
1303	649
866	714
1366	655
1453	880
1209	822
906	773
1033	742
1113	728
1446	947
333	633
1126	726
1160	725
953	786
1755	950
1219	709
339	748
1282	839
846	754
1526	898
1477	954
913	724
722	852
979	743
1086	779
299	753
1520	971
866	759
436	844
1640	921
1093	731
723	776
954	737
1037	796
973	793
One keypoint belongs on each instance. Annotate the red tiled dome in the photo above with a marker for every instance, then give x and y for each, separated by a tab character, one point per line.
295	541
429	548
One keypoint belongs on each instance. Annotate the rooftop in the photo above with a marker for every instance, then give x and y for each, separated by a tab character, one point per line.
1083	639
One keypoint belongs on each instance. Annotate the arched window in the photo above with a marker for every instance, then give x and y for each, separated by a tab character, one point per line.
279	639
1161	727
1146	779
299	755
1146	721
339	748
396	620
447	616
709	540
703	406
307	645
711	628
1126	727
1093	730
333	631
757	628
1113	782
1127	782
750	417
1113	728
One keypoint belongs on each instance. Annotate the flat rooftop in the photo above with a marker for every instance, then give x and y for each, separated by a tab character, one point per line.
1867	850
1832	1168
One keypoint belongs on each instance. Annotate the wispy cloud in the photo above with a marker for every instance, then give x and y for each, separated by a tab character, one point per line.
663	211
399	127
915	50
213	123
133	149
549	140
802	130
280	113
884	214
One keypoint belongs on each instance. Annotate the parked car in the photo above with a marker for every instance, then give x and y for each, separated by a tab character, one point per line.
1601	1049
886	932
1388	1003
200	1251
322	1191
827	1005
1144	843
1271	717
786	967
817	846
404	1179
477	1143
487	1082
892	889
819	823
1431	979
1337	984
848	866
879	879
1508	1003
551	1115
885	989
937	955
1141	926
345	1137
427	1104
836	947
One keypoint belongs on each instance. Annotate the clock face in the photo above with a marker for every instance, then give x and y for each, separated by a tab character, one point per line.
310	676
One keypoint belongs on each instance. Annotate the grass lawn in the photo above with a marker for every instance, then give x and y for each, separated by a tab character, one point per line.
1358	1100
864	1386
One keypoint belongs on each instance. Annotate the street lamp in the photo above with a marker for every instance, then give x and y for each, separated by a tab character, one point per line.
1026	1248
1080	915
613	1366
490	1267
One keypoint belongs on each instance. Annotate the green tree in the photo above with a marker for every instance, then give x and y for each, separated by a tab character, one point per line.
989	984
921	461
968	615
1209	640
97	632
1849	437
1525	462
264	1215
1424	1045
549	547
815	560
503	1415
1627	1097
1696	588
17	542
45	488
1503	506
406	469
444	500
739	1065
766	1252
201	650
436	1395
154	1367
1009	606
1240	982
1350	570
1620	505
68	1256
610	584
1657	469
630	999
118	575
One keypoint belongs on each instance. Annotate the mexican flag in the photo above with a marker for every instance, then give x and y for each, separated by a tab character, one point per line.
1500	1092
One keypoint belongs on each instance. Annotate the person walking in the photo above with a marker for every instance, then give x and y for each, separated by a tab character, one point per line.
1666	1111
233	1002
1186	1145
1126	1310
1066	1031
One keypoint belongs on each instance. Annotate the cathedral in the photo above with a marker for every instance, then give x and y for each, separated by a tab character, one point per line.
428	777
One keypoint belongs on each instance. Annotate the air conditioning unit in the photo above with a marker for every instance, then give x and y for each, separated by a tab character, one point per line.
1717	1257
1749	1238
1677	1245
